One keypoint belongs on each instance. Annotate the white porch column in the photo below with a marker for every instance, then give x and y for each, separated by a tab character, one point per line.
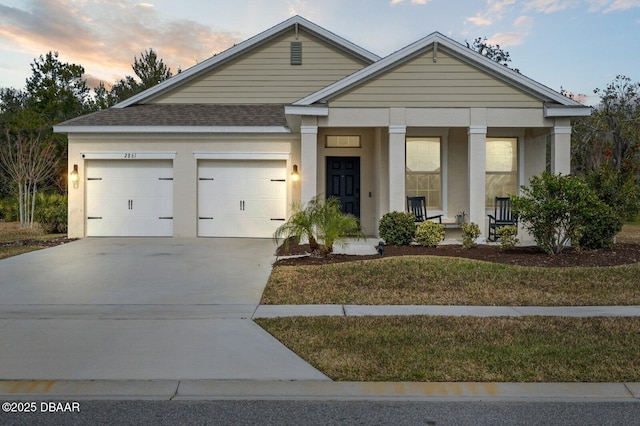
477	170
308	163
397	168
561	150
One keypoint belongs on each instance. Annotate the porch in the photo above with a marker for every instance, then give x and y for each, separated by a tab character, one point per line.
459	159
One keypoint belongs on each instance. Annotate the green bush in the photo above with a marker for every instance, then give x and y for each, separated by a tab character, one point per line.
601	226
51	212
429	234
508	237
470	233
556	209
397	228
620	193
9	209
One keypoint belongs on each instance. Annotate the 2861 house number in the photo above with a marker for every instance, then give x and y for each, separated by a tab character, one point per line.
129	155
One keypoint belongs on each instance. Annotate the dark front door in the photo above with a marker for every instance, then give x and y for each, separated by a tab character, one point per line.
343	181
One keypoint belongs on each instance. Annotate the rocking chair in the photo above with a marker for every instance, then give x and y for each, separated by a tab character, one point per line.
502	217
418	206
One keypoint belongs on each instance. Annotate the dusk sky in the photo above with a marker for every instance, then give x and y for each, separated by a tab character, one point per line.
575	44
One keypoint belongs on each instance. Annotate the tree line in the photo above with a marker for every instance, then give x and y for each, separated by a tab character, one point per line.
32	157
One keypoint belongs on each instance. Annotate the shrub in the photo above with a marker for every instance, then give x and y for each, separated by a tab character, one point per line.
620	193
51	212
9	209
397	228
429	234
555	209
508	237
601	227
470	233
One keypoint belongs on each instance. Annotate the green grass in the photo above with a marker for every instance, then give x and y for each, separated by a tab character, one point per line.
451	281
431	280
531	349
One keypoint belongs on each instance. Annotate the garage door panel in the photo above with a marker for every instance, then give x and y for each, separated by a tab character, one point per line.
241	198
129	198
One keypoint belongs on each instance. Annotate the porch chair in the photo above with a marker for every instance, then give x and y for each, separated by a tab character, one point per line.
502	217
418	206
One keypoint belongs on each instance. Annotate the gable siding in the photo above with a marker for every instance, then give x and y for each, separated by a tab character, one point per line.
448	83
265	74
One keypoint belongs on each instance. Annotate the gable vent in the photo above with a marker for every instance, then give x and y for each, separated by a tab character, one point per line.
296	53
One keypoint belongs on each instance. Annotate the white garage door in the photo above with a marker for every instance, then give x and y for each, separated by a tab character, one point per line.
241	198
132	198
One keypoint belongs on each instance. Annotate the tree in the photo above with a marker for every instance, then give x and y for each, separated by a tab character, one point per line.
493	52
28	161
149	71
611	135
57	91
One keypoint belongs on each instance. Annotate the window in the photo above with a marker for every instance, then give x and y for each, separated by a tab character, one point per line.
343	142
502	169
424	171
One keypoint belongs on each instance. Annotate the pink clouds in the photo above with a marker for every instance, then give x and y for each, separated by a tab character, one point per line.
105	35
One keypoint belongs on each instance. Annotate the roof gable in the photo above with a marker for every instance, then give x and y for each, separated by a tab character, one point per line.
293	24
438	43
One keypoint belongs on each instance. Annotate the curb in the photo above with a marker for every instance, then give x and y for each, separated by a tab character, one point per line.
312	390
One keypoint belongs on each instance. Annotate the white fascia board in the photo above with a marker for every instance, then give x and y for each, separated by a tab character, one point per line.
320	111
459	51
171	129
243	46
567	112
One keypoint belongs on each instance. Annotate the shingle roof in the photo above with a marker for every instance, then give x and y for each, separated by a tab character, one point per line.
184	115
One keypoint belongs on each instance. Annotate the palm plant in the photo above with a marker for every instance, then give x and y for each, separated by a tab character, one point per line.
322	223
333	226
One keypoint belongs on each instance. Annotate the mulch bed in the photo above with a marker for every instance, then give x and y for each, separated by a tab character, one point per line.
39	243
621	254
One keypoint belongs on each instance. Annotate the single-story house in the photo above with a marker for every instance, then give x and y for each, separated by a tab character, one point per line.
224	148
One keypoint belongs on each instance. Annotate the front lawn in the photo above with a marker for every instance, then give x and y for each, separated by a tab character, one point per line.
431	280
467	349
419	348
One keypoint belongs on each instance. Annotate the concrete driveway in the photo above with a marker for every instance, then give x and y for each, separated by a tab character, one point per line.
141	308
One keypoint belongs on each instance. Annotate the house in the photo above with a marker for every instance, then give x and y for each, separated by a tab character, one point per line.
216	150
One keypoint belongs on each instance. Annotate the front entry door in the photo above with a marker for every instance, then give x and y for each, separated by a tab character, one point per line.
343	181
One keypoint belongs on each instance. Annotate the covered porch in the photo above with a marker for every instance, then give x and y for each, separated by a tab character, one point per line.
460	159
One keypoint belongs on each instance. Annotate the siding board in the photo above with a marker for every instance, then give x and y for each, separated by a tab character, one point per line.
448	83
265	74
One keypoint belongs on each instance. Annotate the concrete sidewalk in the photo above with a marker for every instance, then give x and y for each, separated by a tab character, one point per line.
274	311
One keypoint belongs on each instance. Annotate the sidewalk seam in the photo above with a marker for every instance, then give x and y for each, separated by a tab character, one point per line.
175	393
630	391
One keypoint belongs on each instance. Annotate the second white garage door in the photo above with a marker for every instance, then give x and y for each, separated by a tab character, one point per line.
241	198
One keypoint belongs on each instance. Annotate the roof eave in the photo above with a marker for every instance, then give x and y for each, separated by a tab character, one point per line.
170	129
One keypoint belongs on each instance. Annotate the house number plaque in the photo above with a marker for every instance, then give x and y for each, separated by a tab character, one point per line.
129	155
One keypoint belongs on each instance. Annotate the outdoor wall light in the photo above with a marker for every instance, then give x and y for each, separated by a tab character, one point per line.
74	177
295	176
